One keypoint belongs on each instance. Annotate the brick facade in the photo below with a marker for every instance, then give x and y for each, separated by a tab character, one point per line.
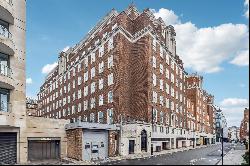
74	143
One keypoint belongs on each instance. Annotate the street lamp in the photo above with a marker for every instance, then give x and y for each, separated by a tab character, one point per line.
222	126
152	121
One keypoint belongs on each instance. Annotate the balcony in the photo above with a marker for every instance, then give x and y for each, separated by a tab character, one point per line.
6	11
6	42
5	107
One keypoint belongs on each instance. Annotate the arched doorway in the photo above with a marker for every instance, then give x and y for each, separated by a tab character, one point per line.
144	140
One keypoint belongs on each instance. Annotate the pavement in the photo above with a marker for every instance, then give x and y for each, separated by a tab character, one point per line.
234	156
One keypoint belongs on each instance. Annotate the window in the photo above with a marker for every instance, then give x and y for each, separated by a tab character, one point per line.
74	84
167	103
101	67
172	77
101	83
68	99
110	97
92	57
92	105
92	87
110	61
100	117
110	79
161	68
86	61
161	129
154	62
79	93
4	100
85	107
161	117
79	67
154	115
167	130
161	52
154	79
4	64
110	116
86	76
100	99
161	100
172	64
167	88
92	72
101	51
154	44
92	118
68	87
79	80
167	119
172	105
172	91
79	107
110	44
167	59
167	73
161	85
154	97
85	90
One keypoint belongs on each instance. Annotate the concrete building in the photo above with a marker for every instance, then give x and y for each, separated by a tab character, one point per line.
22	138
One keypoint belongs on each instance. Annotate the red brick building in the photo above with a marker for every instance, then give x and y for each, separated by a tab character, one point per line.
125	71
202	109
244	126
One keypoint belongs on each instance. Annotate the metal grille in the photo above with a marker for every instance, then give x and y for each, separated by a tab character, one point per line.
8	148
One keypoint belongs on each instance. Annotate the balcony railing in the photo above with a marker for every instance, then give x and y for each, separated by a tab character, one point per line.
5	32
5	107
5	70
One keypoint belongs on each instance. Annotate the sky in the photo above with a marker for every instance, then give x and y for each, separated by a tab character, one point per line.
212	39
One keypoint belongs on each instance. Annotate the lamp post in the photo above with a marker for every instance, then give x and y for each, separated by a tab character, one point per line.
152	121
222	126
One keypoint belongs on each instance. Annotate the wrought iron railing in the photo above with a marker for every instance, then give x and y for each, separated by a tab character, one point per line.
5	32
5	70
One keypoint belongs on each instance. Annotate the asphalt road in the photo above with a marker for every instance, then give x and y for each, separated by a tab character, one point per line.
202	156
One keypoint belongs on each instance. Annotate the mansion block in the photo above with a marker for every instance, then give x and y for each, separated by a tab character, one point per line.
125	90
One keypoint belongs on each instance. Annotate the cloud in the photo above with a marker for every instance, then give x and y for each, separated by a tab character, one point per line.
205	49
168	16
234	102
234	115
66	49
246	4
29	81
242	59
48	68
233	109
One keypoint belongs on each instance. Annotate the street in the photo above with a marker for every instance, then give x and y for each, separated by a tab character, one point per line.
201	156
